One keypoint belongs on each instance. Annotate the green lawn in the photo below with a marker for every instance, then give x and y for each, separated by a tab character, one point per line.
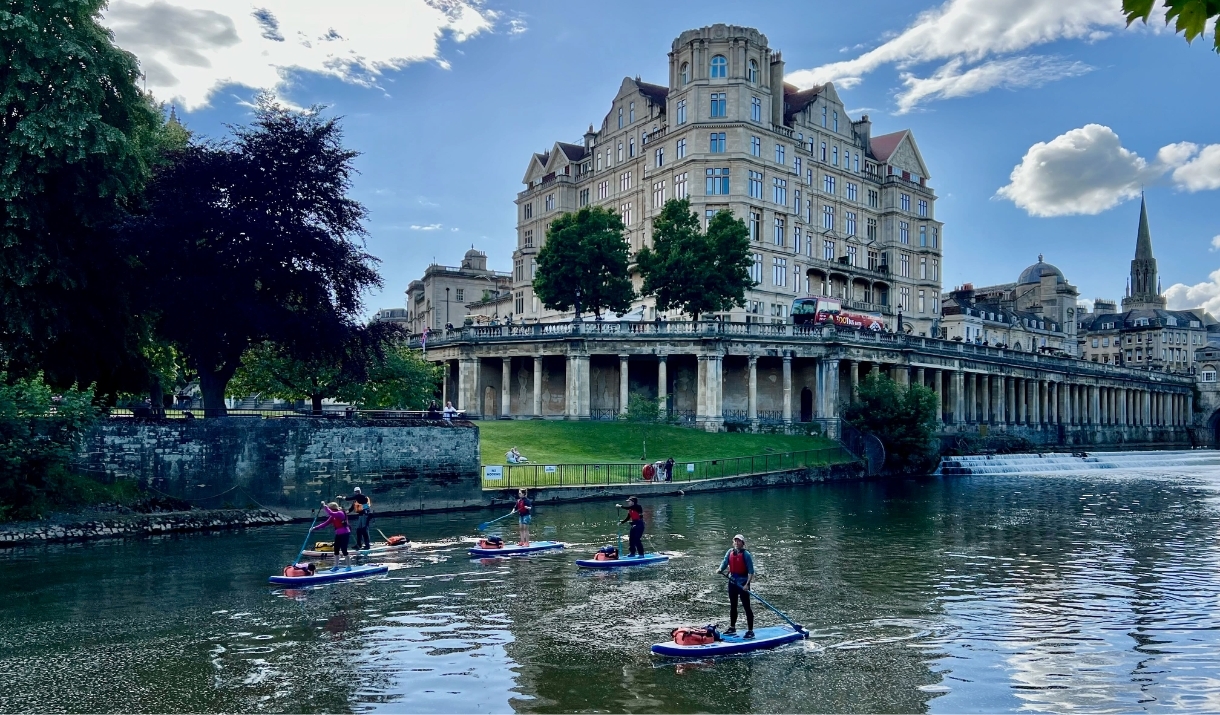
553	442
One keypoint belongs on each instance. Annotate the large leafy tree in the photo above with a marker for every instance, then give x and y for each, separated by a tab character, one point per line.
1190	17
255	239
693	271
585	251
904	419
77	143
401	379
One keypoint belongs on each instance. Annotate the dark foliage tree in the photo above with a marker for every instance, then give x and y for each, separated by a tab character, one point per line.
77	143
693	271
1190	17
255	239
904	419
585	251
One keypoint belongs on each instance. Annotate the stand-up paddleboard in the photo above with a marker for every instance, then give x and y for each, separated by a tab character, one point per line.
622	562
769	637
328	575
514	550
374	551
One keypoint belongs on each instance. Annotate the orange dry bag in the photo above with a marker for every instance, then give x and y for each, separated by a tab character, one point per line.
693	636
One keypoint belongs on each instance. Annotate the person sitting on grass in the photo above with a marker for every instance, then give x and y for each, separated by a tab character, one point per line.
513	456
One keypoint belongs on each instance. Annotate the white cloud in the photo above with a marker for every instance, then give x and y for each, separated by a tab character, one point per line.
427	227
189	49
1202	172
1016	72
1216	243
1084	305
1088	170
1205	295
517	26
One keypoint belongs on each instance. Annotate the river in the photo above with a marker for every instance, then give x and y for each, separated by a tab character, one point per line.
1094	590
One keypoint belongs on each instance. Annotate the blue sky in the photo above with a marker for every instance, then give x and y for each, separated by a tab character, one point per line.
446	100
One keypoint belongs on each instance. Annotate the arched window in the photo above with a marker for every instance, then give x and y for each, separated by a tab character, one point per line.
684	73
720	66
752	73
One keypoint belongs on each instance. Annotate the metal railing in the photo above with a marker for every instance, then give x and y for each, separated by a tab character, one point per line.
327	413
532	476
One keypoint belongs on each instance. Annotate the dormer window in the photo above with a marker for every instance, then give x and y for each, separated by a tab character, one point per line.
752	72
684	74
720	67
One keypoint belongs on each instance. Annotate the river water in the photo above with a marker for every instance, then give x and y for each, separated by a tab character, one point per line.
1095	590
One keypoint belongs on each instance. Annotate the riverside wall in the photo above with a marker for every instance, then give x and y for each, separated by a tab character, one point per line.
111	526
289	465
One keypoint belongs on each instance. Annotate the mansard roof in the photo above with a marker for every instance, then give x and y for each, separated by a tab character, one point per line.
1126	319
574	152
654	92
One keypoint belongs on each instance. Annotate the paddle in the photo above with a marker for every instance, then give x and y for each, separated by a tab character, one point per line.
778	612
307	533
486	524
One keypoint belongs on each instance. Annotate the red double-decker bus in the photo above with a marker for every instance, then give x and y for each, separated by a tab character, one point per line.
820	310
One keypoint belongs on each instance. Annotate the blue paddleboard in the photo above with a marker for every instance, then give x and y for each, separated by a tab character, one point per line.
769	637
327	575
514	550
625	561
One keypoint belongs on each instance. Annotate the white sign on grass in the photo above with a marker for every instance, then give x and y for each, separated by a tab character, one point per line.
690	467
550	469
493	472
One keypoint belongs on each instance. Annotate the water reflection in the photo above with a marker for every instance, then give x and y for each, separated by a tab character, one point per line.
1092	591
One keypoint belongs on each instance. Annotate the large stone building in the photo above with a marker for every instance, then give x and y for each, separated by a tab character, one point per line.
1144	335
831	209
1037	313
447	294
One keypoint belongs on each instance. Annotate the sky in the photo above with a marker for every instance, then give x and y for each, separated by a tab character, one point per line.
1041	121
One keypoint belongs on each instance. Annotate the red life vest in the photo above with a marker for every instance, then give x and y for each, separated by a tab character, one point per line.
522	508
737	563
635	513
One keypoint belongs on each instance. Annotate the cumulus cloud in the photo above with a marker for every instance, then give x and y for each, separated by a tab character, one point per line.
1216	243
189	49
951	80
961	33
1205	295
426	227
1088	170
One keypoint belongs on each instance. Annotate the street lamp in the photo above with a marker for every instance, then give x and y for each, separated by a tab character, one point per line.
447	321
577	318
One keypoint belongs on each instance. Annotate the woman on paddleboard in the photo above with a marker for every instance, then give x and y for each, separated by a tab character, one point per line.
338	519
523	508
738	565
635	515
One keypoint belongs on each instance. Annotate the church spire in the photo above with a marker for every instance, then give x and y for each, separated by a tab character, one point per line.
1143	239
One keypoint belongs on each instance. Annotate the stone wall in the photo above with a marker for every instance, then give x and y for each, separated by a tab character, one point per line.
292	464
116	526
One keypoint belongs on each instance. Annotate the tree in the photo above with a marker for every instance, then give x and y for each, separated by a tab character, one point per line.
401	380
78	143
270	370
692	271
645	414
904	419
585	260
1191	16
255	239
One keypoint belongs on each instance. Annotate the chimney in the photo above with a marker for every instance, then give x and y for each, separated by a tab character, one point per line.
864	129
777	89
589	137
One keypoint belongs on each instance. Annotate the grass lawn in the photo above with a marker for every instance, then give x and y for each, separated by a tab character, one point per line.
554	442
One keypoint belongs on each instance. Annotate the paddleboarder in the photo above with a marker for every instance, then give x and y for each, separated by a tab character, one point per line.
738	565
635	515
523	508
362	510
337	518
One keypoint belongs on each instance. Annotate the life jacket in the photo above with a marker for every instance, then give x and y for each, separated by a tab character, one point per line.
606	553
367	506
635	513
299	570
694	635
523	507
396	541
323	546
737	563
493	542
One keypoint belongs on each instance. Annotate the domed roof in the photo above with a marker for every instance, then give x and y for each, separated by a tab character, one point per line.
474	253
1034	273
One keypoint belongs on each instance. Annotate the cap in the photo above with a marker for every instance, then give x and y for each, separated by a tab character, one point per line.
739	536
357	490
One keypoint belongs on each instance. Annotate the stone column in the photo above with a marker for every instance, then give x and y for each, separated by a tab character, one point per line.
1035	403
957	396
938	386
828	388
997	399
1146	408
506	386
662	382
1010	400
1095	407
968	396
577	389
1044	407
537	386
468	385
920	377
854	366
709	412
985	413
445	384
1021	400
1190	409
623	385
788	387
752	408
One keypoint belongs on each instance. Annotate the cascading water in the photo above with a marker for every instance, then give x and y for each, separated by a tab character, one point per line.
1054	462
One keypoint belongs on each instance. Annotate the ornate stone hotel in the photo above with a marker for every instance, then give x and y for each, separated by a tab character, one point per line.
833	211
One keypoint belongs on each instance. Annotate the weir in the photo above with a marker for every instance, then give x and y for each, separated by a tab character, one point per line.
1060	463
